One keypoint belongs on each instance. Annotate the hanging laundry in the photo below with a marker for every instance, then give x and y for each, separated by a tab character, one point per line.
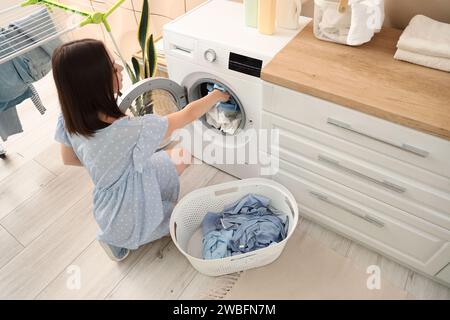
246	225
224	116
9	123
18	73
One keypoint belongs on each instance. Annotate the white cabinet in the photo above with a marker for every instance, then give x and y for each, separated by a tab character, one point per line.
408	145
374	178
444	274
380	183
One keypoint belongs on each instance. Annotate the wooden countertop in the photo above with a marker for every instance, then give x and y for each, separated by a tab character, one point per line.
367	79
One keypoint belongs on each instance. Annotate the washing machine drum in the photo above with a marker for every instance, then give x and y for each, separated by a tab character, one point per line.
227	117
162	96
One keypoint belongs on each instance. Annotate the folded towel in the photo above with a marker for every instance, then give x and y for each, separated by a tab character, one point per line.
426	36
427	61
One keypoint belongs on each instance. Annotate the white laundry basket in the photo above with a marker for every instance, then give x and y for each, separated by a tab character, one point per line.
188	215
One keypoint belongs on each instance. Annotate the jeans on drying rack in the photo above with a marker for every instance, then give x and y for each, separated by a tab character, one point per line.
9	124
17	74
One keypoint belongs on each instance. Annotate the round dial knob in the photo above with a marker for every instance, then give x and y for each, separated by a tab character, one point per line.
210	55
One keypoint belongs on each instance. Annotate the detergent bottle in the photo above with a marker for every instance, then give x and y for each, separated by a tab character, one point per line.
266	16
251	13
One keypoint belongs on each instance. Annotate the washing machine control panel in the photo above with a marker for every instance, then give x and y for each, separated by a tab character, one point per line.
245	64
210	55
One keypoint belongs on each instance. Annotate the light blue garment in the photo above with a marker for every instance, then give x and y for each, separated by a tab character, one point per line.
18	73
251	204
135	188
253	222
256	224
230	107
215	244
252	233
9	123
211	222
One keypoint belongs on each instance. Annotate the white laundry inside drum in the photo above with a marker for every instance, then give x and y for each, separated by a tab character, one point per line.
224	120
226	117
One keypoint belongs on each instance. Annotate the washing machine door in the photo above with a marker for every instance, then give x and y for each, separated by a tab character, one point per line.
159	96
154	95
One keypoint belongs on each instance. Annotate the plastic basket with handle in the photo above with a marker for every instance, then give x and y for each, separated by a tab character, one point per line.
188	215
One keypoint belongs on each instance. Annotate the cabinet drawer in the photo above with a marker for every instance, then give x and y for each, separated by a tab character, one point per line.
444	274
411	146
377	224
402	168
377	182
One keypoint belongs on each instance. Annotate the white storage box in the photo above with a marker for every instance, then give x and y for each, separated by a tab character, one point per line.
353	24
188	215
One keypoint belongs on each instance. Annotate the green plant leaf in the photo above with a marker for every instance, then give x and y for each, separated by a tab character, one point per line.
131	74
137	68
143	27
151	56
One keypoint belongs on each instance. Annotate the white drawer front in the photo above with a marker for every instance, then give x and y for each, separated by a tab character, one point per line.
377	182
404	169
377	224
417	148
444	274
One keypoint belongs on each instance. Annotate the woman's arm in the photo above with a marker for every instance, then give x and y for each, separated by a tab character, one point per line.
69	157
194	110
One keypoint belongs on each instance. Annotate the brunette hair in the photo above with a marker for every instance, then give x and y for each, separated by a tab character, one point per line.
84	77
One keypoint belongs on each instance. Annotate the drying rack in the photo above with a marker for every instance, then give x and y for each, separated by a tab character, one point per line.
64	19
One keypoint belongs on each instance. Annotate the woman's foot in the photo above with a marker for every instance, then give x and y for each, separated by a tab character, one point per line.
115	253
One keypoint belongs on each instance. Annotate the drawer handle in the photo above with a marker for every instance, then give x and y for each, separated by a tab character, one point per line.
367	218
387	184
404	147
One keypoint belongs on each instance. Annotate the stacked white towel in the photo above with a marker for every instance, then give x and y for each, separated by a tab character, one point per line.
426	42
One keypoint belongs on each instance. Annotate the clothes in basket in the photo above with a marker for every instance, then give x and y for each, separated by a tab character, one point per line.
246	225
9	123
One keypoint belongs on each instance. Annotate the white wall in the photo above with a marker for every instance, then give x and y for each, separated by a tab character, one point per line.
124	21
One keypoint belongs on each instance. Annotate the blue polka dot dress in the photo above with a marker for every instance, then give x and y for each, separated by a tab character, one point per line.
136	188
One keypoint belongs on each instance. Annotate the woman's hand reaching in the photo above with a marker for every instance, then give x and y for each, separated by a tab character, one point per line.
220	95
195	110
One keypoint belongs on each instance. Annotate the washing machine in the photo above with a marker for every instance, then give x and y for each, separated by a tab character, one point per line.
211	45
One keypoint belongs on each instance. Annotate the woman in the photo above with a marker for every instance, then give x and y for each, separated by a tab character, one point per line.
135	186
